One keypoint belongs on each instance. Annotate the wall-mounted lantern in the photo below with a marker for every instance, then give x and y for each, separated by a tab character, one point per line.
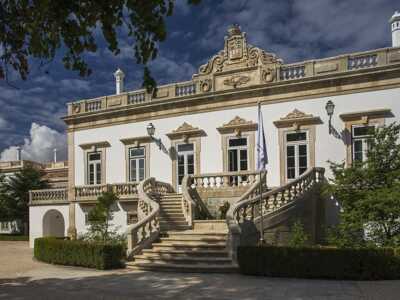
330	108
151	131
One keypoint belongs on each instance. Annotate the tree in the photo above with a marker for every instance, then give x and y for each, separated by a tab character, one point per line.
369	193
100	216
14	194
38	29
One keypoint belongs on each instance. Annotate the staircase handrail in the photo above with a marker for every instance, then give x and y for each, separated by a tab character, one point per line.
251	199
191	202
143	233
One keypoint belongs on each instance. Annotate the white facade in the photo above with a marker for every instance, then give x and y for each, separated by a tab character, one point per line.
395	26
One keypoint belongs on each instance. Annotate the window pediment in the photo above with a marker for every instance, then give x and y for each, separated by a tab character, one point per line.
95	145
366	115
237	125
296	119
186	131
137	141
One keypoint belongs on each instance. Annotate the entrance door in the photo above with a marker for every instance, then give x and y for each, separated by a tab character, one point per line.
185	161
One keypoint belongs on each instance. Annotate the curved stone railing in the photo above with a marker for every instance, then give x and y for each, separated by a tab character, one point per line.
141	234
248	207
91	192
48	196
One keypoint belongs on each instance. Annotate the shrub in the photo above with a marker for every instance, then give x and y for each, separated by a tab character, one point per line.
329	263
13	237
298	237
78	253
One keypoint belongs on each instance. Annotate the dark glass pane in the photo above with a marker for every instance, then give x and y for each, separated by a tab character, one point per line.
181	159
243	154
302	149
136	152
243	165
94	156
233	160
91	174
302	170
358	146
190	159
141	169
296	136
303	161
185	147
290	162
98	173
290	150
291	173
237	142
364	130
181	170
133	170
190	169
358	156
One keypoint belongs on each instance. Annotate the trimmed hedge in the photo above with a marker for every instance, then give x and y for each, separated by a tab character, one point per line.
328	263
13	237
79	253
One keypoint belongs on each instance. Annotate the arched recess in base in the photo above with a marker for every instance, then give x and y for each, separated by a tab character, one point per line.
53	223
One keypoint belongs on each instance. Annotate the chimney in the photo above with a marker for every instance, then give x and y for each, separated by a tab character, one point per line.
119	81
19	153
395	26
55	155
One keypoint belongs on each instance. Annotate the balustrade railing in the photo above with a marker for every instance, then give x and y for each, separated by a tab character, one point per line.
363	61
292	72
48	196
141	234
93	105
91	192
224	180
185	89
136	98
253	204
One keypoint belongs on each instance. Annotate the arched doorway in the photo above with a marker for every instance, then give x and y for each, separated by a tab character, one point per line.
53	224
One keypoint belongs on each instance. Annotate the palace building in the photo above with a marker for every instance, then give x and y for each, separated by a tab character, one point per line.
175	157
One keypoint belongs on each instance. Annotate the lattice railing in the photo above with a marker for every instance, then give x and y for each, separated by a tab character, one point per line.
147	229
253	203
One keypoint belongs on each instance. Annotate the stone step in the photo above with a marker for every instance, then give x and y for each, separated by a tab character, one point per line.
167	258
184	268
187	246
188	253
167	227
171	209
188	238
195	243
170	205
199	233
172	222
171	214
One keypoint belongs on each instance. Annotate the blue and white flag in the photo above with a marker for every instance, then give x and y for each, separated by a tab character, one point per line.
262	156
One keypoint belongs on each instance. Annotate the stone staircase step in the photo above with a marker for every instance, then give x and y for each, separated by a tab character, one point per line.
167	258
188	253
184	246
183	238
175	267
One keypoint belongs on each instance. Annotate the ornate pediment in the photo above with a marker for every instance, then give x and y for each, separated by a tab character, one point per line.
237	125
186	131
238	54
296	119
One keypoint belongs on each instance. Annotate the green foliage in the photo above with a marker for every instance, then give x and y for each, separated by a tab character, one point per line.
38	29
13	237
298	237
14	193
329	263
100	228
78	253
369	193
223	209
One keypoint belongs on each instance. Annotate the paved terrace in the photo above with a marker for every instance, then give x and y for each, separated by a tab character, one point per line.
23	278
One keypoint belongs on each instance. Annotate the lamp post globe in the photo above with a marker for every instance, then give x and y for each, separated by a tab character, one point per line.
330	108
151	129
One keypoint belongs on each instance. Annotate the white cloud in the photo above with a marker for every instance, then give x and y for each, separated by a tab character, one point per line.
40	145
3	123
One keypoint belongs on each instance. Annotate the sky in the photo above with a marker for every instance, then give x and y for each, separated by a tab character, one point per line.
295	30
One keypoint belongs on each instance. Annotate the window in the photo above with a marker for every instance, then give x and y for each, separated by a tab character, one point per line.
297	159
86	218
237	154
361	136
94	168
185	160
137	161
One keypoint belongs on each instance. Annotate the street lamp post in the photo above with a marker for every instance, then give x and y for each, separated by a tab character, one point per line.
151	131
330	108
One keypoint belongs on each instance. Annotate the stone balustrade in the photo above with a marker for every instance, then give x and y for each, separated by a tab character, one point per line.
312	68
141	234
185	89
48	196
224	180
92	192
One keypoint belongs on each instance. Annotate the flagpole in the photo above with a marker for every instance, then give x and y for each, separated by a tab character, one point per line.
261	183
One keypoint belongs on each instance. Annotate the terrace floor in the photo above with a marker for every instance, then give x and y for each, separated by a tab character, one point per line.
23	278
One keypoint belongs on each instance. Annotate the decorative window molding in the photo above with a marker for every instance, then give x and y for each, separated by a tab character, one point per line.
185	134
238	127
136	142
95	147
374	117
294	122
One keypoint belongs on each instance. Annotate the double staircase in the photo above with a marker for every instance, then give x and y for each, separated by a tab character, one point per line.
181	248
167	236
